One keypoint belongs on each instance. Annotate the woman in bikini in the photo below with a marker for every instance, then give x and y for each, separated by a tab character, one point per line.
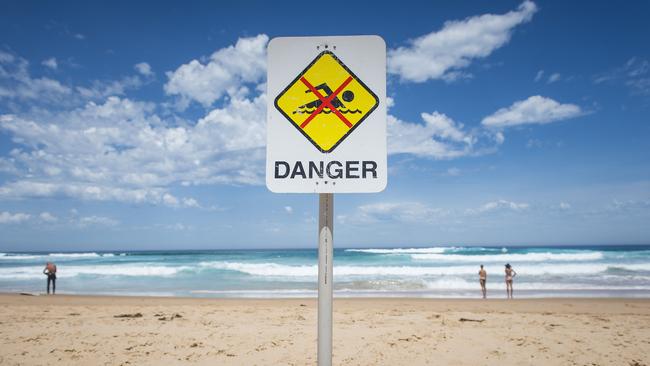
510	274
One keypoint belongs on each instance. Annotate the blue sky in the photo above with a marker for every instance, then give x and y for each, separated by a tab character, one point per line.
142	126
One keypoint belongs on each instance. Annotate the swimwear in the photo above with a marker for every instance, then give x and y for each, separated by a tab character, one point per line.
509	276
51	278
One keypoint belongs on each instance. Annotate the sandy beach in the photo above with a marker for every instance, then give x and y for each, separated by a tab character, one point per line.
94	330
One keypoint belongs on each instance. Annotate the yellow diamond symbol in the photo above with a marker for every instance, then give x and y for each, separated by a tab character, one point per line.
326	102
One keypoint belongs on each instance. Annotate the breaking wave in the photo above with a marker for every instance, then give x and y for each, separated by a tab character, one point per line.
31	272
58	256
435	271
434	250
280	270
11	256
527	257
460	284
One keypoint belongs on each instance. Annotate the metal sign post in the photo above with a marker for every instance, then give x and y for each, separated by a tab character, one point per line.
326	134
325	278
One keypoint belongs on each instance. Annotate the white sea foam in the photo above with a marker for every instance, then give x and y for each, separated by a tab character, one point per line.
503	258
437	250
265	269
632	267
456	288
455	283
74	255
308	272
20	256
280	270
142	270
11	257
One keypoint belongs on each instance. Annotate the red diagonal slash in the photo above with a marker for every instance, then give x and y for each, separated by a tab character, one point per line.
326	102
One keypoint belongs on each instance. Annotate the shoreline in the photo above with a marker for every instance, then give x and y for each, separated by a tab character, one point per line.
496	294
143	330
189	299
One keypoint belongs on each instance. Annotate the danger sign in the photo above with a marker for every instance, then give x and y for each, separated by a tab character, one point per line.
326	101
326	114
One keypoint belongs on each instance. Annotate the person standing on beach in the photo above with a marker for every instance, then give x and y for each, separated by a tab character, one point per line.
50	272
482	277
510	274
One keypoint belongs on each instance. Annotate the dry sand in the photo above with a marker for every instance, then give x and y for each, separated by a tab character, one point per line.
87	330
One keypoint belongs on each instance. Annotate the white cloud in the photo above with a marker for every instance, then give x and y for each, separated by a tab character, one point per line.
499	138
453	172
441	54
6	57
92	192
48	217
410	212
390	103
444	127
51	63
420	213
143	68
629	205
635	74
226	71
17	83
190	202
101	89
499	205
17	218
539	75
439	137
534	143
535	109
238	126
96	221
178	227
122	151
554	77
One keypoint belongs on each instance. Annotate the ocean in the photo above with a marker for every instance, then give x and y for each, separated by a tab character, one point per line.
433	272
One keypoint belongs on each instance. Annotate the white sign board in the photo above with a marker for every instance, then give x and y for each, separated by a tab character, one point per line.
326	115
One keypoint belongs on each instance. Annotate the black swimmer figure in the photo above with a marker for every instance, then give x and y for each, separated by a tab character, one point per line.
347	96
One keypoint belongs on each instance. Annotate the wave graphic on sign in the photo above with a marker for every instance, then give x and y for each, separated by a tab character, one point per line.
327	111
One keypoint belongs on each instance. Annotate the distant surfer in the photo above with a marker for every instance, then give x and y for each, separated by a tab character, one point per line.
50	272
510	274
482	277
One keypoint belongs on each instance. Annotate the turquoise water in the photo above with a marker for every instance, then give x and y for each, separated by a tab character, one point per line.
420	272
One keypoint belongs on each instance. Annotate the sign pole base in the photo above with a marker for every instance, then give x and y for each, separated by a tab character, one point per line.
325	278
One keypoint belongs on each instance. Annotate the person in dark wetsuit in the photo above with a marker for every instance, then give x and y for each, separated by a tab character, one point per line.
347	96
50	271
